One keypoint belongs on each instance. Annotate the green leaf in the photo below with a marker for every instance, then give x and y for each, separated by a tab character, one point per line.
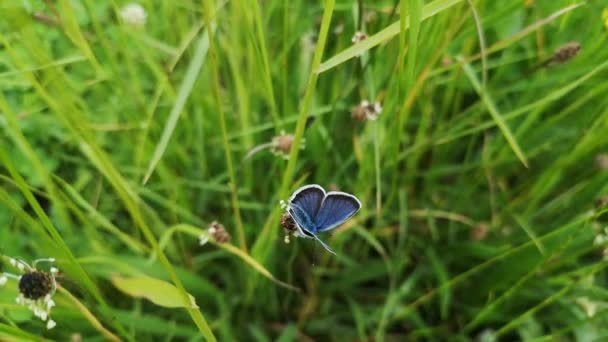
157	291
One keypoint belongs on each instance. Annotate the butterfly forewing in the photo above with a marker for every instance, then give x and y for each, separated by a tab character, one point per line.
308	198
336	208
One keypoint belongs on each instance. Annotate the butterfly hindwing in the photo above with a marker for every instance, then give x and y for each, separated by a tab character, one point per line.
304	222
336	208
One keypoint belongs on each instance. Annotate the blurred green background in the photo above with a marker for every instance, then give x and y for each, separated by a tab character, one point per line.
126	129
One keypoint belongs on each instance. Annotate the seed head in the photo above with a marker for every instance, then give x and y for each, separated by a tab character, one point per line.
134	14
35	285
566	52
218	232
366	111
601	202
602	161
281	144
288	223
479	232
358	37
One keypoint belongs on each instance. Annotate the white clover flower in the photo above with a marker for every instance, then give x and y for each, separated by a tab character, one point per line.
134	14
36	288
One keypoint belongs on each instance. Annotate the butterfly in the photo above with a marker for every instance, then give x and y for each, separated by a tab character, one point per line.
315	211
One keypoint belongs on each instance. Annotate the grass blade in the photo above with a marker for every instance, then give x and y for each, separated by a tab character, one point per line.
386	34
498	119
194	68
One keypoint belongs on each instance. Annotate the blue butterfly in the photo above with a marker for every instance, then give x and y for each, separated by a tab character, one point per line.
315	211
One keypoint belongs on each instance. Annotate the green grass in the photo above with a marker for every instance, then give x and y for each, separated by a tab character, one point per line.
479	181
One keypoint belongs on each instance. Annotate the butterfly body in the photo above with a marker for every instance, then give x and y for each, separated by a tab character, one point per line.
315	211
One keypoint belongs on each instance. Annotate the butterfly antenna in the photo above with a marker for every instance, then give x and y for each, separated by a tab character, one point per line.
324	245
314	254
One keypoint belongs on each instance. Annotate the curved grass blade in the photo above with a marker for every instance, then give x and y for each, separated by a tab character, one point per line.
197	232
496	116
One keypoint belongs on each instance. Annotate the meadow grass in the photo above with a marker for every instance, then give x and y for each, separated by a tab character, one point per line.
483	180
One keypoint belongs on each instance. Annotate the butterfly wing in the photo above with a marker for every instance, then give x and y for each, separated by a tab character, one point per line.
304	222
337	207
308	198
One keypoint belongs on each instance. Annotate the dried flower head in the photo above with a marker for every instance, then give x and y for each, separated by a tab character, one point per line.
479	232
288	223
358	37
281	144
602	161
366	111
566	52
370	16
36	288
601	202
217	231
447	60
133	14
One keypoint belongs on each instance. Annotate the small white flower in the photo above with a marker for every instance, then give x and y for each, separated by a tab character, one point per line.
50	324
3	280
134	14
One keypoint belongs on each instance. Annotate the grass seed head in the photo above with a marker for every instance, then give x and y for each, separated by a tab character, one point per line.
566	52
